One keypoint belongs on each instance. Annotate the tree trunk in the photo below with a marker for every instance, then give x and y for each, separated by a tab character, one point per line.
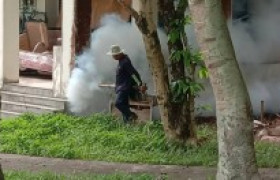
156	61
160	74
176	119
173	115
1	173
191	107
180	121
145	22
234	116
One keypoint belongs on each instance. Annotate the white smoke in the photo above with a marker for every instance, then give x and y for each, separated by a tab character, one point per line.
257	47
95	67
257	44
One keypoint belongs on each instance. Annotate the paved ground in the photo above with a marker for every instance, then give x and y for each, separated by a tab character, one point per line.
56	165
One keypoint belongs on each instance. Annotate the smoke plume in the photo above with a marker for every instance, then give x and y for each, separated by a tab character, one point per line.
256	42
95	67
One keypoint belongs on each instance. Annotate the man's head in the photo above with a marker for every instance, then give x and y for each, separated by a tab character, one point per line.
116	52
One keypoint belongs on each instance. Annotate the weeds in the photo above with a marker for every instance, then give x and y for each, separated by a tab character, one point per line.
21	175
102	137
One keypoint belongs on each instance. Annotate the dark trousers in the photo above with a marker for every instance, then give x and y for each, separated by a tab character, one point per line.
122	104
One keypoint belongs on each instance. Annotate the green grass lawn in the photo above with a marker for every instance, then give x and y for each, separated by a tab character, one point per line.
22	175
101	137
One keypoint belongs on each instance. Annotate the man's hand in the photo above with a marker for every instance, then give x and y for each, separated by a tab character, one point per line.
143	88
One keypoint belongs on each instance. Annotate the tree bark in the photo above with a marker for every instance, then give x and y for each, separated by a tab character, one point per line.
234	116
1	173
175	116
156	61
182	118
148	28
169	14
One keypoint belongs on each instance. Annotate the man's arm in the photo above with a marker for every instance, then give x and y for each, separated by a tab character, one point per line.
133	73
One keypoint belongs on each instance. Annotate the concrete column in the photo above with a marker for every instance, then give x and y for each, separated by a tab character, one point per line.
9	41
57	72
68	40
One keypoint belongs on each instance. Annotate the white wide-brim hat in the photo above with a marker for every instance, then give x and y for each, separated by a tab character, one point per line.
115	50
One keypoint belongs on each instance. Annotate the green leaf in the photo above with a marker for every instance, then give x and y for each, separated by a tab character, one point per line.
173	36
175	89
206	107
203	73
176	56
195	88
196	57
179	89
185	88
187	20
187	58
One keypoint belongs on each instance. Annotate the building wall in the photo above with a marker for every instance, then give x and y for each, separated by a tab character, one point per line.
102	7
9	44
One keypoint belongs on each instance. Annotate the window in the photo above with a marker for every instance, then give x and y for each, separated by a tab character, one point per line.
28	3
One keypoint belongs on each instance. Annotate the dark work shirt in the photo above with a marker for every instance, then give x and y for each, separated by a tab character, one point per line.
125	70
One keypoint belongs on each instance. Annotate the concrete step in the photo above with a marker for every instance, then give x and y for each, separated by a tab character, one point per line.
8	114
33	99
17	88
22	108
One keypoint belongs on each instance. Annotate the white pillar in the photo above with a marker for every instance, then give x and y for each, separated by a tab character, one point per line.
9	41
57	72
68	8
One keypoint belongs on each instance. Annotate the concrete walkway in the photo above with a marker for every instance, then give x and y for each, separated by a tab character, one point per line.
56	165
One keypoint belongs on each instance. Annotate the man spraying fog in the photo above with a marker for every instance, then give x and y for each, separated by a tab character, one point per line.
128	82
